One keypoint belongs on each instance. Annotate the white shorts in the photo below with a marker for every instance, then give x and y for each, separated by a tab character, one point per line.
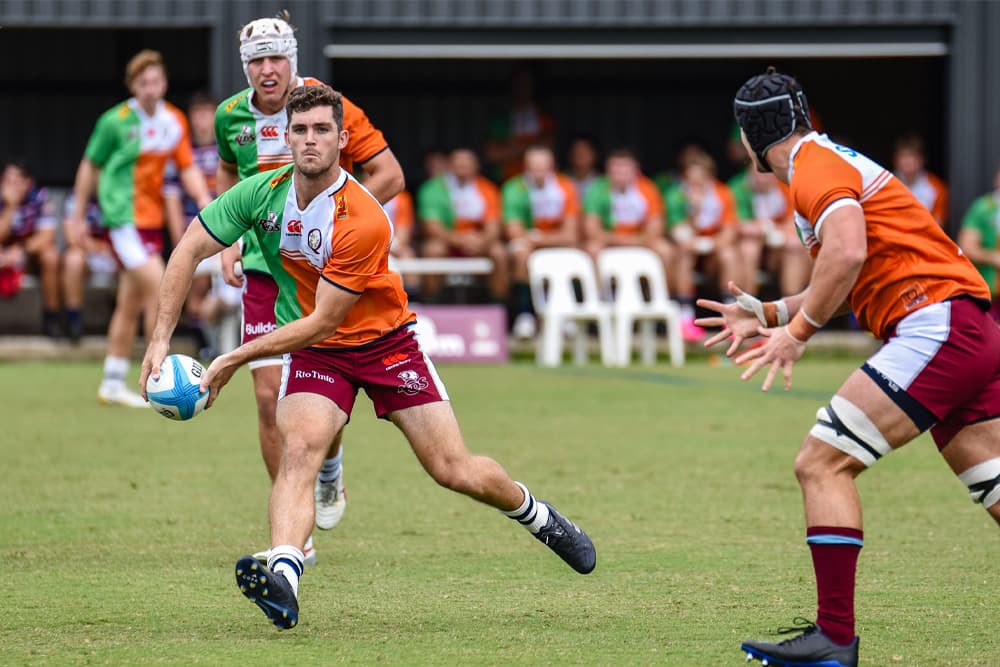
133	247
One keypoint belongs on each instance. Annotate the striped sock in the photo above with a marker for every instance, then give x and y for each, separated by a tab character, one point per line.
287	560
835	553
331	468
115	370
531	514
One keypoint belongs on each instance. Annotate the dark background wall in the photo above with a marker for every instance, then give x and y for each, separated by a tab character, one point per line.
65	58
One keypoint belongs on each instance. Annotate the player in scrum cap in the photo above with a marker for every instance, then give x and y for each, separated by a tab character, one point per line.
250	130
878	252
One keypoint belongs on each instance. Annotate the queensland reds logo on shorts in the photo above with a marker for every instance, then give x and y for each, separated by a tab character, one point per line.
413	383
269	132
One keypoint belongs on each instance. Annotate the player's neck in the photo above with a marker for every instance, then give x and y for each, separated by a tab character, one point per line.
777	157
307	188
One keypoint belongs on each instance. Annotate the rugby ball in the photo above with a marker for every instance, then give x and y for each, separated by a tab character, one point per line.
176	394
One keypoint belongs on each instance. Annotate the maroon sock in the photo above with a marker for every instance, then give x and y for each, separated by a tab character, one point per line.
835	560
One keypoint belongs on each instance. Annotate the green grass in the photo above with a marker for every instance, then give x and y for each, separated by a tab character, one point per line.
119	529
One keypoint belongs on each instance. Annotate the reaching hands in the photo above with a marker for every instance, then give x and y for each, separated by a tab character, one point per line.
734	320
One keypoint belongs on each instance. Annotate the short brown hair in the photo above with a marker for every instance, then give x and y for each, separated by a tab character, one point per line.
139	62
305	98
911	143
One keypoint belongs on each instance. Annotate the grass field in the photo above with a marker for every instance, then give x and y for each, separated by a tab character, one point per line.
119	530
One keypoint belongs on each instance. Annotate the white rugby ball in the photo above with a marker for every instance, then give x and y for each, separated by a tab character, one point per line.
176	394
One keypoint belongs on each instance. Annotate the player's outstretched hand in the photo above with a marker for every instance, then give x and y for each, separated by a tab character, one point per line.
734	320
155	354
781	351
217	376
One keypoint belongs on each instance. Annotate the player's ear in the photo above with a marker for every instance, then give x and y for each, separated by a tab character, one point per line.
345	136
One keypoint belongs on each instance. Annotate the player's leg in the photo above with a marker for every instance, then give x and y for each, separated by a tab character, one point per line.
47	257
433	248
315	403
524	323
74	274
410	393
974	455
330	495
137	288
266	383
500	277
860	425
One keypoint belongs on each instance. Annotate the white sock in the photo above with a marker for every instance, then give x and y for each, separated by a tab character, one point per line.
531	514
331	467
287	560
115	370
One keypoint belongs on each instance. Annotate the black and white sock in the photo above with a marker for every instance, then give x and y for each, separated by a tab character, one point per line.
331	468
287	560
531	514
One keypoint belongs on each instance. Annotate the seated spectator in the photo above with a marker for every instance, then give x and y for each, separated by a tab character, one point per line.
28	240
625	208
540	210
460	217
765	213
180	209
978	239
908	166
702	216
581	164
521	125
88	254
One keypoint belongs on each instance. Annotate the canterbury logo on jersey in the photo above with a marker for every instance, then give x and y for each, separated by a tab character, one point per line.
294	227
395	359
269	132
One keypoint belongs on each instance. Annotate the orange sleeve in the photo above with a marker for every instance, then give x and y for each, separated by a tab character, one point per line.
404	210
652	195
359	246
491	194
821	178
364	141
572	199
940	211
729	216
183	153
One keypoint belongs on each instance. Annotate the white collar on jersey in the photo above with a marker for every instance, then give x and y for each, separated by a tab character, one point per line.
328	192
136	107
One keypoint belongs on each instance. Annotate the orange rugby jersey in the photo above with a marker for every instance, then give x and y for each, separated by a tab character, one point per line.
911	262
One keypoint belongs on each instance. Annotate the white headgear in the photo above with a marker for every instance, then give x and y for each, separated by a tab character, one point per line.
268	37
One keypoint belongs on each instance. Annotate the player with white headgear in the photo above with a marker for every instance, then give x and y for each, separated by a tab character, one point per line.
250	132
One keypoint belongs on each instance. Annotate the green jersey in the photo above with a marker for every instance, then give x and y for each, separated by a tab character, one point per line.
984	217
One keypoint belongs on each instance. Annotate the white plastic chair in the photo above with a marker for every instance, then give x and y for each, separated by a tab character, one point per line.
551	273
625	268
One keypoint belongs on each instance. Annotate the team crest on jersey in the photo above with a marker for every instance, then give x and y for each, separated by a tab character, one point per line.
314	239
245	136
413	383
270	223
341	211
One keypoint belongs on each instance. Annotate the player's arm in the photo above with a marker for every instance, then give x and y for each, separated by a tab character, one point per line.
971	243
193	182
384	176
843	250
332	305
194	246
84	186
226	176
